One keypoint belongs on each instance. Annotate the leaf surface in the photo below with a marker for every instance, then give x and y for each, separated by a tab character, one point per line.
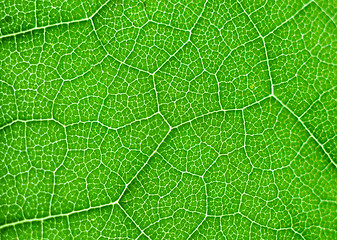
168	119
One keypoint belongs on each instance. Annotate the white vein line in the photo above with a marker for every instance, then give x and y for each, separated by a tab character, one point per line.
55	216
141	230
55	24
305	127
285	106
289	19
265	48
135	176
328	15
130	123
95	207
43	27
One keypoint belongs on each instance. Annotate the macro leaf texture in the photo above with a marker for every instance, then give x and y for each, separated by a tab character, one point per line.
173	119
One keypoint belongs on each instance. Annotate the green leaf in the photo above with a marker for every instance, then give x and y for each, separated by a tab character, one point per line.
168	119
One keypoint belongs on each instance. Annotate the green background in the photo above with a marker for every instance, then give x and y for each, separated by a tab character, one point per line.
168	119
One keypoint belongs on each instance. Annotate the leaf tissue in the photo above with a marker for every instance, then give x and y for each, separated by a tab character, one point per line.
175	119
